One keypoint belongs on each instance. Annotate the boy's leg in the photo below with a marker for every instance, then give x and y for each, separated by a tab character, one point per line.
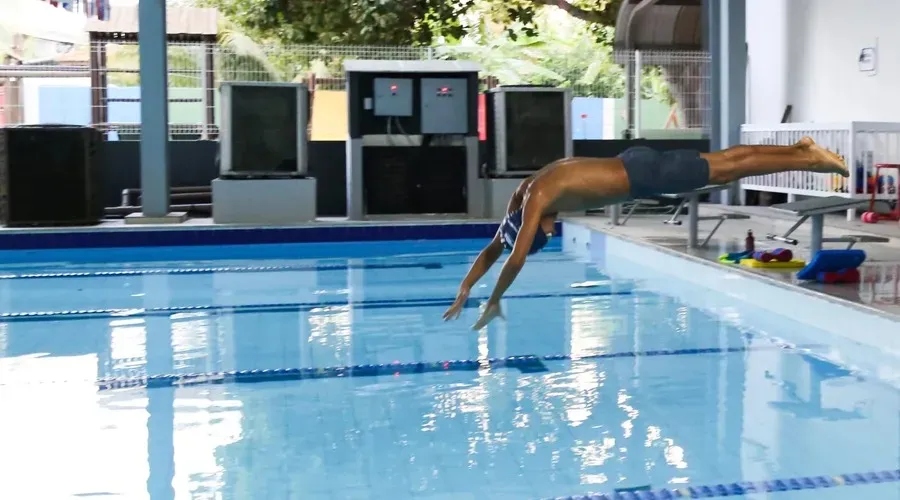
744	161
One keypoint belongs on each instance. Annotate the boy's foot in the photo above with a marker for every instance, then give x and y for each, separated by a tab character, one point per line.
827	161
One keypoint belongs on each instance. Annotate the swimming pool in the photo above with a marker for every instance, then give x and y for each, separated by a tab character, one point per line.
325	371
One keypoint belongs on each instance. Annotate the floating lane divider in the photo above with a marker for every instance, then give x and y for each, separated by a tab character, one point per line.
624	288
748	487
526	364
210	270
243	269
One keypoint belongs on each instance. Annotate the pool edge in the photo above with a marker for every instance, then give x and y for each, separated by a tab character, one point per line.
853	335
737	270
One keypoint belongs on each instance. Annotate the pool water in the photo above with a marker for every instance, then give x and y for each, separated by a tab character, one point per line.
298	377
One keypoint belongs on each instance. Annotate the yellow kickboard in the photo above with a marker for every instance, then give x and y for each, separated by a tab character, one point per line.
792	264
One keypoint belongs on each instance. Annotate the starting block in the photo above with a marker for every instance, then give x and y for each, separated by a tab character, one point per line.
815	209
691	199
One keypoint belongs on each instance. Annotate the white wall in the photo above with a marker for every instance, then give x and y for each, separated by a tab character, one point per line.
820	52
825	81
767	70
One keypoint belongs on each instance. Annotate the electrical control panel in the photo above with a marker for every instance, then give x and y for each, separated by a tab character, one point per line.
393	97
445	104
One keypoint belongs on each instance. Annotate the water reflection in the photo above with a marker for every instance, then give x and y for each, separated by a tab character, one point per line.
331	327
880	284
191	343
127	348
3	329
577	422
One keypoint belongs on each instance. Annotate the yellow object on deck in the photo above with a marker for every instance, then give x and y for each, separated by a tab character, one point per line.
774	264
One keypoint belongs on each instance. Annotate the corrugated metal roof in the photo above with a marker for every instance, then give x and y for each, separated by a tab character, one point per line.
179	21
412	66
660	24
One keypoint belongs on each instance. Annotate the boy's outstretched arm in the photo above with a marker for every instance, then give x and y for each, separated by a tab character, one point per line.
532	209
479	268
488	255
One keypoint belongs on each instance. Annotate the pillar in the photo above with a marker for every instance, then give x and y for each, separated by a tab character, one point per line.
712	44
731	63
154	108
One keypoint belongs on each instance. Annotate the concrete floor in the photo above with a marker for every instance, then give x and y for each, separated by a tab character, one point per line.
880	286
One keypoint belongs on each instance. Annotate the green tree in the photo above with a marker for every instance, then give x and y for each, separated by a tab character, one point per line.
598	14
525	51
572	59
348	22
684	77
556	49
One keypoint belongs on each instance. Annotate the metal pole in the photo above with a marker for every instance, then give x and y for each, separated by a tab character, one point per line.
154	108
632	120
693	220
815	240
713	45
638	67
208	99
733	78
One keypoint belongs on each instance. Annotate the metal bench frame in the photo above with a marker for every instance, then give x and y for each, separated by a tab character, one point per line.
816	210
692	200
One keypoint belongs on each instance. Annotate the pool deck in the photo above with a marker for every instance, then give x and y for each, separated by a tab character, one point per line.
878	292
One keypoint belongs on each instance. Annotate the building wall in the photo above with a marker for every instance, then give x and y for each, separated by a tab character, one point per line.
767	61
805	53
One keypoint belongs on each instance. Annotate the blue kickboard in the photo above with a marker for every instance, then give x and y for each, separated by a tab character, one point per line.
830	261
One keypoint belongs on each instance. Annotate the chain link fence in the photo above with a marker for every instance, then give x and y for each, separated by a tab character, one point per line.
674	97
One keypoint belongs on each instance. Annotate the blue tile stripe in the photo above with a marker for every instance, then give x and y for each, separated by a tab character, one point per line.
224	269
623	289
524	363
749	487
219	235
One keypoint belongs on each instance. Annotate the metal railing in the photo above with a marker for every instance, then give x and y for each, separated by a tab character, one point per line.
862	144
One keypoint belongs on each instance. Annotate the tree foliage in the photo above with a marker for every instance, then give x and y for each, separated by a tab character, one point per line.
561	51
523	14
515	30
347	22
395	22
545	58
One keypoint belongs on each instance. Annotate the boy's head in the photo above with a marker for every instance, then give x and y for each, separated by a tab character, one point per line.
511	225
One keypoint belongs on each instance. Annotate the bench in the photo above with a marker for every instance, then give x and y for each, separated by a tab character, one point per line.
692	200
815	209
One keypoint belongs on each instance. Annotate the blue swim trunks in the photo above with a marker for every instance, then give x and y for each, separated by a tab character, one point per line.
509	231
651	172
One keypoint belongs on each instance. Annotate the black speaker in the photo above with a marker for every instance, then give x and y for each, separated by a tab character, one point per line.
50	176
528	127
265	131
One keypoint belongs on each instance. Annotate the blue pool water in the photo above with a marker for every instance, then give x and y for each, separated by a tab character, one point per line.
325	371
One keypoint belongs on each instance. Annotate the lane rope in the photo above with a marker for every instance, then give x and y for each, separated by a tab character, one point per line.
222	269
748	487
613	289
238	269
526	362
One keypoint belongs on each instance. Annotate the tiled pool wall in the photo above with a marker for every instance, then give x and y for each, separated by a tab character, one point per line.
134	236
195	242
856	337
